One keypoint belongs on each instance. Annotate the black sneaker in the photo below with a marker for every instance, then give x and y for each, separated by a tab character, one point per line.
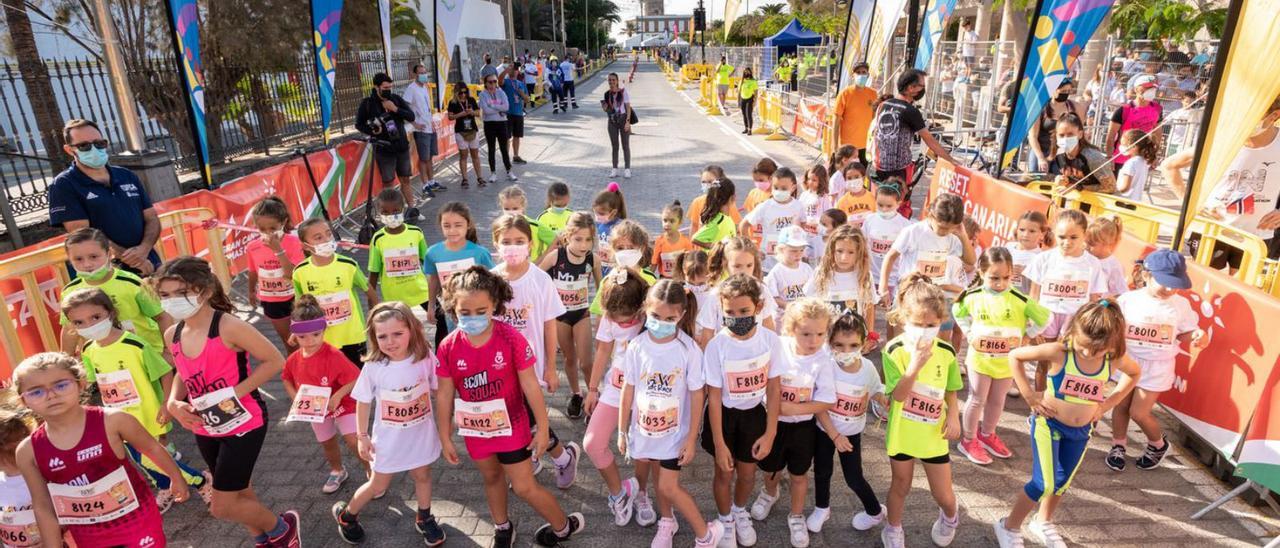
348	525
545	536
1115	459
519	160
504	538
412	214
574	409
1151	457
431	531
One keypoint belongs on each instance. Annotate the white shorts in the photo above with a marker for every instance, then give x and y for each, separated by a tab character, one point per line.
1157	376
331	427
464	144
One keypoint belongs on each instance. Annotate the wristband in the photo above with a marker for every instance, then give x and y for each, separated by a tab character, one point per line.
362	436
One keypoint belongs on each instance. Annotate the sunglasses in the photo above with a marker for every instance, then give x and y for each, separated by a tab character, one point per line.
491	81
85	146
39	394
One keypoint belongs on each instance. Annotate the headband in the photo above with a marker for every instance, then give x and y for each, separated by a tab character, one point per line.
892	186
307	326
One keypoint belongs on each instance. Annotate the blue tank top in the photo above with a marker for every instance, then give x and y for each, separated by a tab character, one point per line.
1071	384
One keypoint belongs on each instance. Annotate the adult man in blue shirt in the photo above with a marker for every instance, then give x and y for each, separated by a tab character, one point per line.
517	94
112	199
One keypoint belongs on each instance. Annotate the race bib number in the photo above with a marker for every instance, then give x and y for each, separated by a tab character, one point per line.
574	294
337	307
797	389
221	411
770	244
880	247
616	377
932	263
667	264
1067	290
1083	388
746	379
101	501
447	269
311	404
405	408
273	283
118	390
1149	334
659	415
482	419
18	528
995	342
851	403
923	404
401	262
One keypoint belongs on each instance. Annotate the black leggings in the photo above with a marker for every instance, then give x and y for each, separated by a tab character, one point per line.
850	463
747	106
497	131
616	134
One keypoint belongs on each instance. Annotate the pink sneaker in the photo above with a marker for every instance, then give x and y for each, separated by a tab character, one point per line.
974	450
994	446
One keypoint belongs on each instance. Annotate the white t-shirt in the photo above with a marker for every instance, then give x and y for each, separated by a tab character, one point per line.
710	312
1249	189
853	398
530	74
1066	282
569	69
1136	168
1152	325
806	378
742	369
966	46
788	283
842	288
15	506
881	233
419	98
836	185
921	249
663	376
611	383
1113	275
814	205
1022	258
534	302
955	275
404	428
772	217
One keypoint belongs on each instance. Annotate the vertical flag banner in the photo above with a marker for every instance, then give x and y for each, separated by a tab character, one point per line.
854	47
936	17
691	31
883	22
730	15
326	15
184	21
384	15
1058	36
448	17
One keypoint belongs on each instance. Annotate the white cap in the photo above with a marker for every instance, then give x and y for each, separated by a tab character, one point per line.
793	236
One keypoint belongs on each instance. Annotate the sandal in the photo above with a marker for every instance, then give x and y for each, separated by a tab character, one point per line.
465	184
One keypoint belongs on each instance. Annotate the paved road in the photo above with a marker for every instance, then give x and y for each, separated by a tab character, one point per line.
671	144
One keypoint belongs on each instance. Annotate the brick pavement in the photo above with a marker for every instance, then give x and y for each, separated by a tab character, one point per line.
671	143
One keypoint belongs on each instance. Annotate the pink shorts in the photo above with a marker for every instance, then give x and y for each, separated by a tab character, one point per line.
1057	324
331	427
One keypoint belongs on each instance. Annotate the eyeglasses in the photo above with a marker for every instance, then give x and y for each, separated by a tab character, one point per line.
85	146
60	387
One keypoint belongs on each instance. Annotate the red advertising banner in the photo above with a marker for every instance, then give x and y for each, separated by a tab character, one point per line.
994	204
808	124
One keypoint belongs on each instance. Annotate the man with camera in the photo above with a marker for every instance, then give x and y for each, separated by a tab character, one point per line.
383	116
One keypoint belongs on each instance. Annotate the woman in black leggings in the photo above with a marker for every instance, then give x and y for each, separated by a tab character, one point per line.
617	104
747	99
494	107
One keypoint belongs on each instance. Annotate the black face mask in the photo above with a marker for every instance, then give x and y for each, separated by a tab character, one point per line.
739	326
920	95
1062	97
384	93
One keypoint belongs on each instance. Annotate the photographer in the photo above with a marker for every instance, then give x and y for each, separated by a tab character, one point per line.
383	116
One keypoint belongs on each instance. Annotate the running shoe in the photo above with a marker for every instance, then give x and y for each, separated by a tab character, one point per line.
944	530
1151	456
504	538
613	172
1116	458
1007	538
493	180
206	488
292	537
1046	533
715	532
645	515
574	409
537	467
994	445
799	532
569	472
545	536
763	505
518	160
893	537
817	518
348	525
512	177
626	173
743	528
667	528
164	500
431	532
436	187
334	482
622	506
863	521
729	538
974	451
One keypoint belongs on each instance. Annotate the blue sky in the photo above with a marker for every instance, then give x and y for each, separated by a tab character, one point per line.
715	8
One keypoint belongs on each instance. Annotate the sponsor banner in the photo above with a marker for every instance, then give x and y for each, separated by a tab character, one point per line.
326	19
994	204
809	123
936	18
854	48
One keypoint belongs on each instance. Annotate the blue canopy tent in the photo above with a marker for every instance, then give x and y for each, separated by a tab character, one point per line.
786	41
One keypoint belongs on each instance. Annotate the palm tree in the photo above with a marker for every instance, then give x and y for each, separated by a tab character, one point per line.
35	78
771	9
405	22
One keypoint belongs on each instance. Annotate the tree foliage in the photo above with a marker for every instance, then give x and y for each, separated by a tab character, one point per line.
1173	20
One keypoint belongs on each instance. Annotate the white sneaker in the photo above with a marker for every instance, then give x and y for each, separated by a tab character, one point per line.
799	531
164	500
667	528
626	173
730	538
817	518
743	528
944	532
864	521
623	505
1046	533
613	172
512	176
762	506
893	537
1007	538
493	179
645	515
715	532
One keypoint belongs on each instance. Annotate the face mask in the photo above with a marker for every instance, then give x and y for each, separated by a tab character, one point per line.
697	289
782	195
326	249
94	158
601	218
277	234
992	291
762	186
628	258
97	331
392	221
386	93
887	215
706	187
473	325
862	79
422	78
822	231
179	308
1062	97
914	333
846	358
1149	95
557	210
1068	143
739	326
921	93
514	254
659	328
97	274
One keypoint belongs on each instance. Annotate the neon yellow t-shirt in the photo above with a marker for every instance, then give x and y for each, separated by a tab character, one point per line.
334	285
995	324
916	424
554	221
397	258
543	238
748	88
723	72
128	373
135	306
718	229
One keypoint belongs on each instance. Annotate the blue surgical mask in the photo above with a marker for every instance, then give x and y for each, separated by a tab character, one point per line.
94	158
862	79
558	210
422	78
660	329
473	325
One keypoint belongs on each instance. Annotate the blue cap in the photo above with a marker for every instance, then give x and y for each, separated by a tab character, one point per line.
1168	267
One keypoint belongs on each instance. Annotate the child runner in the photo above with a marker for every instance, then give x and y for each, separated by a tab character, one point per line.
695	267
671	243
512	201
815	196
807	388
787	279
88	250
663	386
218	397
1102	238
780	211
489	389
828	222
1131	180
319	380
709	176
843	277
132	377
923	247
399	374
631	248
717	221
921	377
856	384
762	179
1092	348
18	526
396	253
741	367
995	318
572	268
1033	235
735	256
1066	277
835	168
272	257
881	229
333	279
1158	321
533	310
89	487
609	208
459	251
557	213
857	201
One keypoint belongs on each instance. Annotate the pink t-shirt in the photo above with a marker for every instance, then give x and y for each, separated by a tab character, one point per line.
488	376
273	285
1131	116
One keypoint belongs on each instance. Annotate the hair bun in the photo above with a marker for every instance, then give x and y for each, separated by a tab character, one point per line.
613	187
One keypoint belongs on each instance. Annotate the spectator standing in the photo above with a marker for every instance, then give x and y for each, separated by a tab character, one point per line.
968	42
383	116
463	110
897	122
488	69
1041	137
1142	112
854	107
112	199
1247	195
418	95
568	71
617	105
493	108
517	94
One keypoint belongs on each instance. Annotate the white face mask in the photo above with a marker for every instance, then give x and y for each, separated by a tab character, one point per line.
628	258
1068	143
782	196
846	358
706	187
326	249
887	214
913	334
180	308
97	331
1149	95
392	221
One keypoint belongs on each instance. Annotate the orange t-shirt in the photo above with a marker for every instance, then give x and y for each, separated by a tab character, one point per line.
854	107
859	205
666	252
695	214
